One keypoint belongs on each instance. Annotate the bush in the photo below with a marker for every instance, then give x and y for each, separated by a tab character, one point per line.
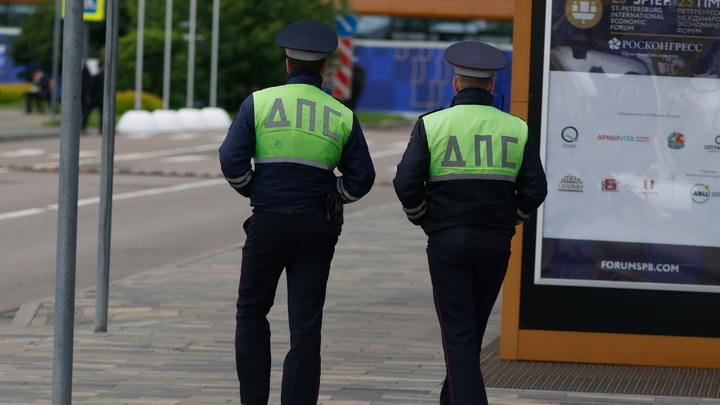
125	101
13	92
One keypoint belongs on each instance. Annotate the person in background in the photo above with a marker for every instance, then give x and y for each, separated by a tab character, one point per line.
86	80
94	97
39	92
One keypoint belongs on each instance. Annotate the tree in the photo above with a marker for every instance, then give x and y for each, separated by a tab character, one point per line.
34	46
153	60
248	57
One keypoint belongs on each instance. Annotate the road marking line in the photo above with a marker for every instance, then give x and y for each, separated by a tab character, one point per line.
23	153
22	213
387	152
124	157
116	197
161	190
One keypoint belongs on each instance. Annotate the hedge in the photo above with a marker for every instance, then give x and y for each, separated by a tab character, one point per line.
12	92
125	101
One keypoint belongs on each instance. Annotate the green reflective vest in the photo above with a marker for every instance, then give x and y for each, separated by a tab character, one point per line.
299	123
474	142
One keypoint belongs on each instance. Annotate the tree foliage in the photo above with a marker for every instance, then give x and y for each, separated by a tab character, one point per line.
34	47
247	58
153	64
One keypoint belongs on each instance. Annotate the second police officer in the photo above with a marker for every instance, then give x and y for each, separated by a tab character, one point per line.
297	136
470	174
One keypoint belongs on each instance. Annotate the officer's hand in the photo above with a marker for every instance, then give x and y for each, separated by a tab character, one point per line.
417	221
521	217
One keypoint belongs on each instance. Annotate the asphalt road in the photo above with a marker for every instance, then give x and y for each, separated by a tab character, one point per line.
158	219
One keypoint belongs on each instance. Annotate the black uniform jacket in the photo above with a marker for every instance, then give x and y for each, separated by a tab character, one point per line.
289	186
474	211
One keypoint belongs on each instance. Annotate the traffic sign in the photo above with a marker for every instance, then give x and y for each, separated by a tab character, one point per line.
93	10
346	25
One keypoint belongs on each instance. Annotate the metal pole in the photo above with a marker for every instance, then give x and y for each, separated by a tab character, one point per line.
191	54
214	53
67	204
56	60
168	48
139	53
108	152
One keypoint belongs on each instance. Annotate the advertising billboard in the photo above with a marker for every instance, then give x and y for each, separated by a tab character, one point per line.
630	135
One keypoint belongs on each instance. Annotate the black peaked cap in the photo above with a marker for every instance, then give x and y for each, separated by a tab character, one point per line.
476	56
308	36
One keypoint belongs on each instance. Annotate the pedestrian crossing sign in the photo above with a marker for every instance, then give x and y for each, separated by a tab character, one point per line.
93	10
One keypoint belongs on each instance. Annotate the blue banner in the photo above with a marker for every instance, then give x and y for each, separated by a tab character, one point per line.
8	70
414	77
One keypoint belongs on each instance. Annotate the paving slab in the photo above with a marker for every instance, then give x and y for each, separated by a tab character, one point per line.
171	330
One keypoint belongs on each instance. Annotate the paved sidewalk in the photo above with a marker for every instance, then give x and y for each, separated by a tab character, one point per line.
171	330
16	124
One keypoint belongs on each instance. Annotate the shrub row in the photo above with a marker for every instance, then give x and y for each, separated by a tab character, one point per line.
125	100
12	92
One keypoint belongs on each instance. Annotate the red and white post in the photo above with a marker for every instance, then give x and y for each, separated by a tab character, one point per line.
342	75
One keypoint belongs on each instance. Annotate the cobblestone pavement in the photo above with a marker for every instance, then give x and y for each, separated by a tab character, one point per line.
170	333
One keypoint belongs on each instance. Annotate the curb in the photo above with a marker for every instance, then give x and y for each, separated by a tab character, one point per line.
27	312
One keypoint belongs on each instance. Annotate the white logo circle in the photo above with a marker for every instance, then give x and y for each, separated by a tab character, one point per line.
614	44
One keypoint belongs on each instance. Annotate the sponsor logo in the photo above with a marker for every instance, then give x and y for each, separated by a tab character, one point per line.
570	183
714	148
623	138
708	174
700	193
639	266
676	140
570	136
583	13
610	185
648	46
648	185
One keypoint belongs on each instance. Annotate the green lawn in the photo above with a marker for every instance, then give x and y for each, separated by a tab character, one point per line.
367	117
93	119
13	105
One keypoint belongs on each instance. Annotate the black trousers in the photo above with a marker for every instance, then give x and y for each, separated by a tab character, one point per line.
86	109
303	244
39	99
466	281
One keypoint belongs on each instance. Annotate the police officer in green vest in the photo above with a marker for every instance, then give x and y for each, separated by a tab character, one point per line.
297	136
470	174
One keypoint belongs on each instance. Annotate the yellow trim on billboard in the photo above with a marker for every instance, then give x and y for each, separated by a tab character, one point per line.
519	107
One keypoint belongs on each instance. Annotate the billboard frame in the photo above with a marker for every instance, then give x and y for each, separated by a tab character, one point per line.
525	338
